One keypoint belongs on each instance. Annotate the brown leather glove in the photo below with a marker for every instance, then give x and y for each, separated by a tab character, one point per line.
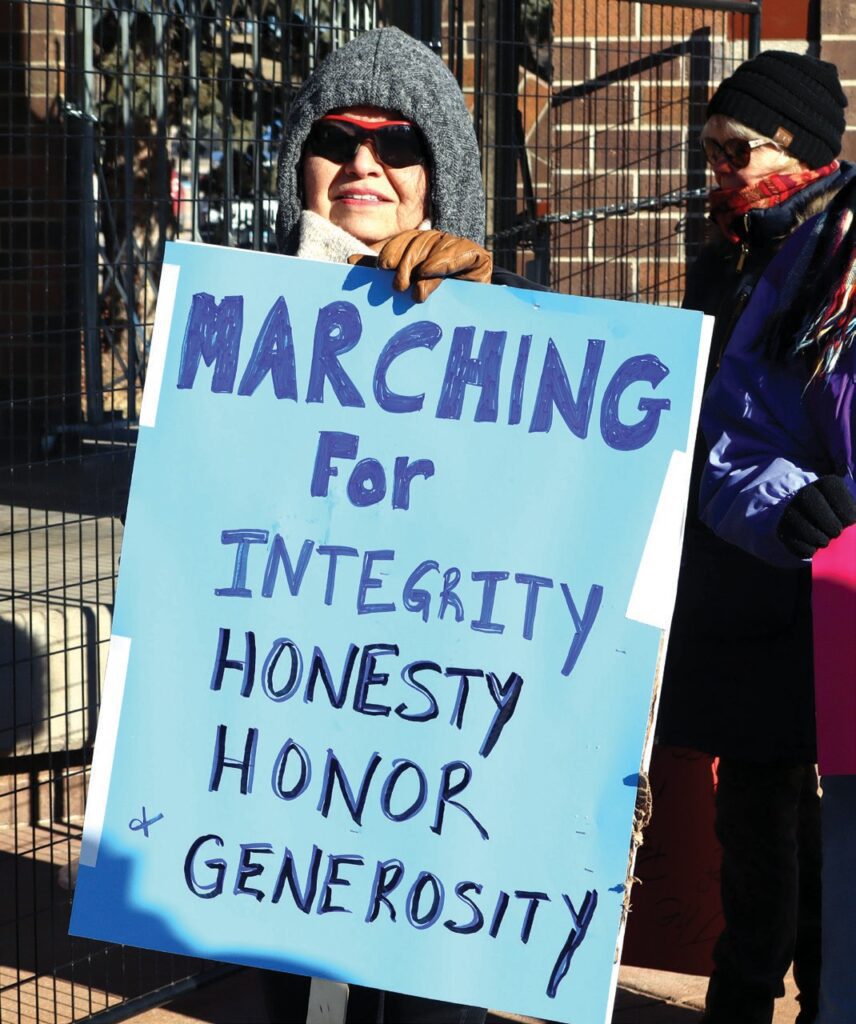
424	258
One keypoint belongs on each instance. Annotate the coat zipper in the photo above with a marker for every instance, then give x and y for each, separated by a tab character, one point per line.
744	248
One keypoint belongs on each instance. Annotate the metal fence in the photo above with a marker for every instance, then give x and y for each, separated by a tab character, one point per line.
128	123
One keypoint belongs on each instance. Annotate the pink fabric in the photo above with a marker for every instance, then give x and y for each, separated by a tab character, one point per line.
834	606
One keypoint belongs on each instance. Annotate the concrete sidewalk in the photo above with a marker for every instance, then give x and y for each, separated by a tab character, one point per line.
644	997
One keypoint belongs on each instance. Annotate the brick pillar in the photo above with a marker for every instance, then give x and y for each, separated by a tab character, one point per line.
789	25
39	346
838	44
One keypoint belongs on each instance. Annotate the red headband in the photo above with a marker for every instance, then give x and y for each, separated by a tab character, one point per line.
366	125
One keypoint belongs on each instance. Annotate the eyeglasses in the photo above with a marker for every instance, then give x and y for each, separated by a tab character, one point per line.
738	152
396	143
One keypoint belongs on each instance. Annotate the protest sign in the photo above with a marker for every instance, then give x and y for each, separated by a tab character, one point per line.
833	577
393	589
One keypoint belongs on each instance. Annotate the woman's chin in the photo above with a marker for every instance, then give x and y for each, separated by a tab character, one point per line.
369	226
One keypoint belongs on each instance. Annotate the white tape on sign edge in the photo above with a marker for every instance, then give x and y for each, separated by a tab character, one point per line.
160	338
653	596
705	338
112	693
613	984
328	1002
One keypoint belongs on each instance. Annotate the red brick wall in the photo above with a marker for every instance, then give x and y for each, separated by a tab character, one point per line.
785	19
43	53
631	139
838	44
624	141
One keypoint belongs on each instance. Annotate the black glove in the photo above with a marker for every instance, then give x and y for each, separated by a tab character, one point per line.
815	515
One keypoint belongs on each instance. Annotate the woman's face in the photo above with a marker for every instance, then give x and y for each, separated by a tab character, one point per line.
764	161
366	198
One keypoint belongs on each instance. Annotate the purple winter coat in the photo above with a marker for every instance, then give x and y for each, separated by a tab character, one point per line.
771	428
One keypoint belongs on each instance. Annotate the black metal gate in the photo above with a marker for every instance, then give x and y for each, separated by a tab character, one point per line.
132	122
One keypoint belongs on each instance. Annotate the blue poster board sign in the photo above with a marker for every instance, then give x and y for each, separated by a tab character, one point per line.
393	591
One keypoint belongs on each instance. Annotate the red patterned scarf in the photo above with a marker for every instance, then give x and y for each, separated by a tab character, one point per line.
729	204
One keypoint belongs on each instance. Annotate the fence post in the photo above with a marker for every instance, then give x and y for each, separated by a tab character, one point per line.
499	35
700	65
755	30
85	77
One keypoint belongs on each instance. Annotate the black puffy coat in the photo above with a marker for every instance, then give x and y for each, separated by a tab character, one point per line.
738	680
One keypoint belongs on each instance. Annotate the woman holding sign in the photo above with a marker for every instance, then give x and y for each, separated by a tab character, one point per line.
781	416
379	159
379	164
738	680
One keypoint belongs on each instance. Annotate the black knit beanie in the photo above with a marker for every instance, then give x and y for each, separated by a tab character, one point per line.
793	99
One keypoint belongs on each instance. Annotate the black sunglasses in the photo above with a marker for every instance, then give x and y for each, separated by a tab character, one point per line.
396	143
738	152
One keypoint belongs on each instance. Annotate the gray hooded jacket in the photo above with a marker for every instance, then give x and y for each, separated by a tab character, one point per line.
389	69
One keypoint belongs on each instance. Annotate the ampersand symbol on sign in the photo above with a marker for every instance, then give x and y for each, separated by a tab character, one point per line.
136	824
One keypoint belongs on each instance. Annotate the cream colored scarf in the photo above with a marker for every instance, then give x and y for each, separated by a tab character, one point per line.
320	239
